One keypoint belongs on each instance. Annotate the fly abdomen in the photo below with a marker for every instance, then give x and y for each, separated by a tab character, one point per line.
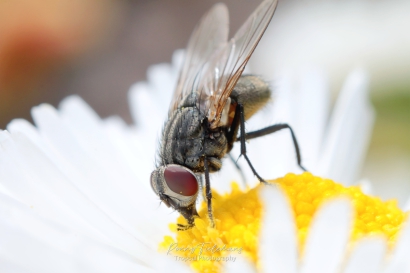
252	92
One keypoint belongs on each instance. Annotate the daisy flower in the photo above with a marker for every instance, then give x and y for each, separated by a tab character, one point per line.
75	194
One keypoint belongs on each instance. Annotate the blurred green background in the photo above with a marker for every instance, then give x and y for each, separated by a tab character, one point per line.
98	48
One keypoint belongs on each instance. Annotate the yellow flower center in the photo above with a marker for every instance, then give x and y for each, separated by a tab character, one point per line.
238	219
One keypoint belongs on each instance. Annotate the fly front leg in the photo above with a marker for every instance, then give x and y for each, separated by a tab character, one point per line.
208	193
201	187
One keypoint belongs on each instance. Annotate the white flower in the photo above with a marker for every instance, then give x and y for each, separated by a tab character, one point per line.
76	194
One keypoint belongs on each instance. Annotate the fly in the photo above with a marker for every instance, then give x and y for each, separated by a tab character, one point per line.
210	105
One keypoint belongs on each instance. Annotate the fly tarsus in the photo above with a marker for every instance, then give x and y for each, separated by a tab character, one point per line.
181	227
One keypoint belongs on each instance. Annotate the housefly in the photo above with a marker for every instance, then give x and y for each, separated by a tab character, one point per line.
210	105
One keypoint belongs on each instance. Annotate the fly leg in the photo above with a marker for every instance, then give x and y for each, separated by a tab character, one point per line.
242	139
185	227
201	187
262	132
272	129
208	193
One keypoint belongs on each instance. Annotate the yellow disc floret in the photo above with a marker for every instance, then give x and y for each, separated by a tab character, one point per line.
238	219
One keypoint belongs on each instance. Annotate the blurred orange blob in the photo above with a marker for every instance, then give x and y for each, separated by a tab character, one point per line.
27	54
39	37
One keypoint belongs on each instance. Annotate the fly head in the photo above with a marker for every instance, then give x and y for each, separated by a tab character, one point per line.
177	187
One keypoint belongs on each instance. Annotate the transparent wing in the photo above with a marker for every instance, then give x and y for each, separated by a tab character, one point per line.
210	35
226	65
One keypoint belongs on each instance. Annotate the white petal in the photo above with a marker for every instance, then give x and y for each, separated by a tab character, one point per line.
349	131
10	267
96	181
42	246
328	237
91	132
407	205
279	145
278	249
367	256
49	193
149	101
88	129
30	178
27	129
146	112
310	113
400	262
162	80
149	119
125	141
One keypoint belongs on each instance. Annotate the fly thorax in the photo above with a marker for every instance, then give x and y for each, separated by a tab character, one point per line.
215	148
183	141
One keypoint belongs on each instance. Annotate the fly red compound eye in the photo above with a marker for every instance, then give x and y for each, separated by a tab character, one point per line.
181	181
